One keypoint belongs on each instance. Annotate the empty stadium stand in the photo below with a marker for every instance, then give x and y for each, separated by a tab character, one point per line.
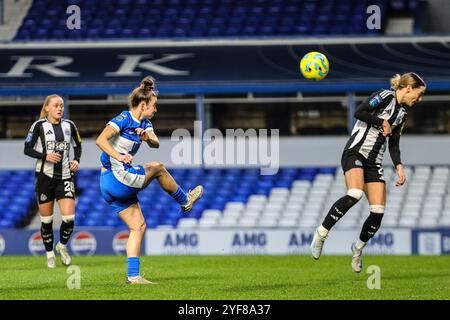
162	19
295	197
17	197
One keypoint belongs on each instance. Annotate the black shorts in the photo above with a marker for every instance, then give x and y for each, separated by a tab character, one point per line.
372	172
48	189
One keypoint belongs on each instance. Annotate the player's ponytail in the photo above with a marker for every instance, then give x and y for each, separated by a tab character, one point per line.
47	100
148	83
407	79
395	81
142	93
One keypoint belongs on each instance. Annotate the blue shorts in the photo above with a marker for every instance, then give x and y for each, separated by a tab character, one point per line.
119	195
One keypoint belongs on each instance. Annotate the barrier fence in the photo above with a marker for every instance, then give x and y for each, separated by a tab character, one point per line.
286	241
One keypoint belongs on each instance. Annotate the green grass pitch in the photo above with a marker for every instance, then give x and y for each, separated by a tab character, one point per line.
229	277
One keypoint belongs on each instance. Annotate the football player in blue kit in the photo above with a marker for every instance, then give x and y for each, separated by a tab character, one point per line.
120	181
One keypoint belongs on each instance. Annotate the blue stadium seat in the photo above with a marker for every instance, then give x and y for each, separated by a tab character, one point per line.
199	18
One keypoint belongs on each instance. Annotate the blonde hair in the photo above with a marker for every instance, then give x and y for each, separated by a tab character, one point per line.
44	113
142	93
407	79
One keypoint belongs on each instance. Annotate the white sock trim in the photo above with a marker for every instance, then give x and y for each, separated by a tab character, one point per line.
355	193
376	208
67	219
47	220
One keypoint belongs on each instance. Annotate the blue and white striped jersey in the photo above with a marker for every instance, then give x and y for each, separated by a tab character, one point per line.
127	141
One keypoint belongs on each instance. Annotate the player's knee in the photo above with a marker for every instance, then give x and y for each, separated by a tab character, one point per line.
376	208
355	194
156	166
159	166
139	227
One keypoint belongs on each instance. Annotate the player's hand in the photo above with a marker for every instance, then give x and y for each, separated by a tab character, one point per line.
125	158
74	165
141	133
401	176
387	131
53	157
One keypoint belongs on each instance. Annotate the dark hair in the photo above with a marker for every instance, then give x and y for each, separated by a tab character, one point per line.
142	93
410	78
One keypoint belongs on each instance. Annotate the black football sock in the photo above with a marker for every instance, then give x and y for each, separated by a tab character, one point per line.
338	210
47	235
66	229
371	226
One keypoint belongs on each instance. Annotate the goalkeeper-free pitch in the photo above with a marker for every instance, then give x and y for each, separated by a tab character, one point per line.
228	277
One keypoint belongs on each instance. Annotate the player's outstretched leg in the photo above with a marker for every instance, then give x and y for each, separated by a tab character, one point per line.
337	211
370	227
186	200
65	232
47	238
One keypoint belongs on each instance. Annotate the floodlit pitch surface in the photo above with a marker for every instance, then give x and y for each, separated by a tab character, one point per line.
228	277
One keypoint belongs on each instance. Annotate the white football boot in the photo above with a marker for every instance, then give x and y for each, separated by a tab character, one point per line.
317	244
51	261
138	280
356	258
193	196
62	250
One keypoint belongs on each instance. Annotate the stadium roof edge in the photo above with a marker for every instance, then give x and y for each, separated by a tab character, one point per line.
224	42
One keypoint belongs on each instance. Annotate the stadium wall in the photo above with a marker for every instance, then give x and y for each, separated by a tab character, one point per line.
306	151
285	241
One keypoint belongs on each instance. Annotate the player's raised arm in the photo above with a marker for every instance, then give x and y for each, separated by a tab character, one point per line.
102	142
153	140
148	136
364	111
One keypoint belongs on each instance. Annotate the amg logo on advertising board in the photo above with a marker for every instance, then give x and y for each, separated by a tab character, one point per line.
299	242
249	243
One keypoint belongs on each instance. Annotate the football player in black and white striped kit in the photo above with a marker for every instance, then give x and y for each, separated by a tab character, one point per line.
380	119
49	141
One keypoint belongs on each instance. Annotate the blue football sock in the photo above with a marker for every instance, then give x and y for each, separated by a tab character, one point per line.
133	266
180	196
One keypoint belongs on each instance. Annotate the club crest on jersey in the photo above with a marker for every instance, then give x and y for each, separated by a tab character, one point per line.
67	132
120	117
375	101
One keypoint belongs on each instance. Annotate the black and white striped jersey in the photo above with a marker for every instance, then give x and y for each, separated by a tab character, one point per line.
367	134
45	138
